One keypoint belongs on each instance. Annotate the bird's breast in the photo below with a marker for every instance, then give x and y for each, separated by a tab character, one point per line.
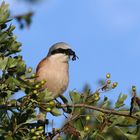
56	77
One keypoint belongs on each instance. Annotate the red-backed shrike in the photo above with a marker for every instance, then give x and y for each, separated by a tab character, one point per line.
54	68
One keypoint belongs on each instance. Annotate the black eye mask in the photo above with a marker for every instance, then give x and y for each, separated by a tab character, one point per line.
68	52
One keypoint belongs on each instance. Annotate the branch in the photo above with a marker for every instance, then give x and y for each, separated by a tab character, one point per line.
107	111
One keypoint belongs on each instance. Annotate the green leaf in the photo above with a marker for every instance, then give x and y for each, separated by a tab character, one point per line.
21	67
78	124
12	83
3	63
105	104
45	96
4	12
93	135
75	97
131	136
55	112
117	120
99	116
12	62
9	138
16	65
99	137
3	36
14	47
2	131
11	28
120	101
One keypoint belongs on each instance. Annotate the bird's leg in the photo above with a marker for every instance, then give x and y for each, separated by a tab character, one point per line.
66	110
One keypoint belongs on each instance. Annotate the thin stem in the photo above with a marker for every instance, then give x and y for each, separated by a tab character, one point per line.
107	111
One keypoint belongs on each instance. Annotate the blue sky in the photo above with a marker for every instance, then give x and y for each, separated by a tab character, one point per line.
104	33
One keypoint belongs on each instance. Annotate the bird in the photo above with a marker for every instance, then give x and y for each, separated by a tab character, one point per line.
54	68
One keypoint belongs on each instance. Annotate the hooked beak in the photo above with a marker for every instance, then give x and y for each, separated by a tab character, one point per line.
70	52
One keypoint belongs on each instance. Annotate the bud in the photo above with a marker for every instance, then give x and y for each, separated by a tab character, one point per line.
33	75
108	81
48	109
52	103
96	97
35	91
37	133
40	128
88	118
86	128
34	138
32	130
30	70
114	84
108	75
37	86
133	88
43	82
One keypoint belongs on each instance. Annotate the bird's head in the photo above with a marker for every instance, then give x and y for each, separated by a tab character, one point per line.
62	51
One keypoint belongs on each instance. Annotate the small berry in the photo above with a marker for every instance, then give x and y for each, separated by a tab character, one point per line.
108	81
30	70
96	97
114	84
32	130
108	75
33	75
88	118
34	138
37	133
40	128
86	128
48	109
134	88
35	91
37	86
43	82
52	103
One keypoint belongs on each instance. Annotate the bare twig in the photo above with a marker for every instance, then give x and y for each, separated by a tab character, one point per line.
107	111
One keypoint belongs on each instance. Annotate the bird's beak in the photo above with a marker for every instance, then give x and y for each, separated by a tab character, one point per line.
70	52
